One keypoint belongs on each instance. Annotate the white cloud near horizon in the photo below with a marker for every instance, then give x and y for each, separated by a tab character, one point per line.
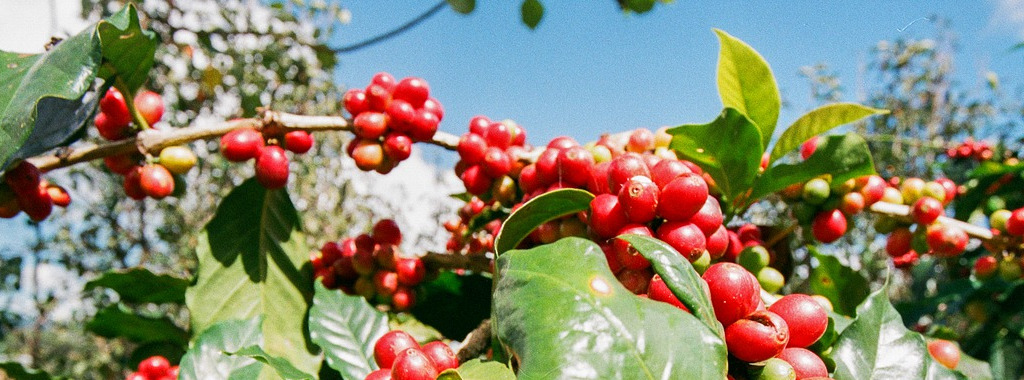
1008	15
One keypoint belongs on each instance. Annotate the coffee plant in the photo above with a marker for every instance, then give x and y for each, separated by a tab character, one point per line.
630	257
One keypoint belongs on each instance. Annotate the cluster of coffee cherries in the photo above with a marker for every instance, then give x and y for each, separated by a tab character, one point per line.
371	265
387	117
926	234
23	189
271	163
488	158
400	357
755	257
143	176
469	242
971	150
154	368
1006	258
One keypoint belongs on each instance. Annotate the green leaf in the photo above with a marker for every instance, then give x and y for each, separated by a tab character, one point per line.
844	287
728	148
253	261
532	12
126	47
139	285
346	328
877	346
479	370
1006	361
843	157
16	371
746	83
679	276
453	304
462	6
818	121
41	96
420	331
973	368
574	320
207	359
113	322
537	211
283	368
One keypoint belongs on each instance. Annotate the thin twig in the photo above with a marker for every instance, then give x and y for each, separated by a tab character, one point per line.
903	212
475	263
394	32
476	343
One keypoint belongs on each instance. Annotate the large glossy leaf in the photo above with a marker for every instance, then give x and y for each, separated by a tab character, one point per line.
842	157
679	275
126	47
346	328
844	287
818	121
253	261
975	369
537	211
16	371
746	83
453	304
728	148
207	359
115	322
479	370
283	368
877	346
1006	359
139	285
41	97
574	320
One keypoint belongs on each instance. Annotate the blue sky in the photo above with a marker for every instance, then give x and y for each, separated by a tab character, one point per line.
588	68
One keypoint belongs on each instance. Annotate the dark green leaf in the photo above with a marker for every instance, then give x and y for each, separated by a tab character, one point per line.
818	121
113	322
574	320
463	6
728	148
253	261
537	211
283	368
877	346
41	97
1006	359
139	285
844	287
207	359
532	12
679	275
127	47
479	370
746	83
843	157
841	321
346	328
16	371
453	304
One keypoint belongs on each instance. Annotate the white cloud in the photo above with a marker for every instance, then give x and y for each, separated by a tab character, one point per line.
29	24
1008	15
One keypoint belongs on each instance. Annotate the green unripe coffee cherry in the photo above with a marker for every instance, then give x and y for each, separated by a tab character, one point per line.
884	224
601	153
994	203
912	189
816	191
935	190
1009	269
702	263
777	369
999	218
771	279
572	227
753	258
177	159
919	242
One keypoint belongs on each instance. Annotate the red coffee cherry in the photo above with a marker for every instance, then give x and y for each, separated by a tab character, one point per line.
575	166
718	243
154	367
370	125
759	336
272	167
625	167
390	345
735	293
403	299
368	154
683	197
562	143
1015	225
627	255
944	352
58	195
547	167
805	363
478	125
639	199
401	115
873	189
424	125
413	90
476	181
23	178
355	101
150	105
642	139
380	374
385	282
115	109
386	231
809	146
926	210
606	216
433	106
298	142
667	170
684	237
806	319
241	144
946	240
853	203
410	271
598	183
496	162
985	267
156	181
413	364
36	204
636	281
440	355
378	98
132	184
709	217
658	291
385	80
471	148
899	242
108	129
829	226
121	163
